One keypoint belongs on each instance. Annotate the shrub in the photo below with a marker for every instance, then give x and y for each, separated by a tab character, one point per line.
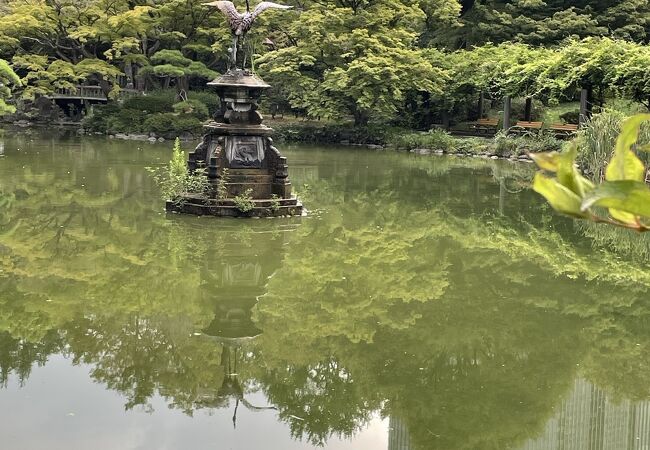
222	184
156	102
504	144
571	117
151	113
333	133
596	141
209	99
434	140
192	107
473	145
537	143
126	120
98	120
169	124
275	202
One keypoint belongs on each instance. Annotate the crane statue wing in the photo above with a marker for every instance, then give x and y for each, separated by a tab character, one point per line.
259	9
228	9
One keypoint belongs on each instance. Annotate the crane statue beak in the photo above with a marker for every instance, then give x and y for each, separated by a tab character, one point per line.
211	4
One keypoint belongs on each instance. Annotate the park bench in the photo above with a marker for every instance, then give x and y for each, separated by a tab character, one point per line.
564	129
485	125
523	127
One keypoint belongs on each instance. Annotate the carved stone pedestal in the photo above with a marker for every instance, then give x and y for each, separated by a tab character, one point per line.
241	163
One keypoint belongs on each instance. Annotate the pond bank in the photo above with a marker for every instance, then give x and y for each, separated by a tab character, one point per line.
436	141
439	152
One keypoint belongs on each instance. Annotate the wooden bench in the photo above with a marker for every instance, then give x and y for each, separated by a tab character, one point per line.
485	125
523	127
564	129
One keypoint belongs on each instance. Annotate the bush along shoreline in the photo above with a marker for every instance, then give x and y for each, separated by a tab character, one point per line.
161	116
435	141
154	116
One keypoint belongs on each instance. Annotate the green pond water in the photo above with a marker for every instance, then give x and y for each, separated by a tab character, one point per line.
424	303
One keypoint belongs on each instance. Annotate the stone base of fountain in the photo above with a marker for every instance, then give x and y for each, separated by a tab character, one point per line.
205	206
248	176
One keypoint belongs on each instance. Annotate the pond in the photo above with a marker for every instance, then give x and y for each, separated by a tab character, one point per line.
424	303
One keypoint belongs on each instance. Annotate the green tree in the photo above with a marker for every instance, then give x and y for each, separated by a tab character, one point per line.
172	65
7	79
543	22
353	59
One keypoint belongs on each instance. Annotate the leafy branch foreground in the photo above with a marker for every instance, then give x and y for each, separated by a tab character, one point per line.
624	192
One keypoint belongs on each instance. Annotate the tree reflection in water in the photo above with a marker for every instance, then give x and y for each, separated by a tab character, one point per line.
462	314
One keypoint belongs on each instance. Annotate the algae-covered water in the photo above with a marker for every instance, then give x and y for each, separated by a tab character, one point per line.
424	303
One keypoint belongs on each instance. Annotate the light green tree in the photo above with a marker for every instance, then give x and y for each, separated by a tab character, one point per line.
8	79
353	59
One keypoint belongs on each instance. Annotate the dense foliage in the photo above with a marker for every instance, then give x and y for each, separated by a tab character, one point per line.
408	63
545	22
7	79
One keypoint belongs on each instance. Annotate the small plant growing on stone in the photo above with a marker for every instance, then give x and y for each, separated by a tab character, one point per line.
197	181
174	180
244	202
222	184
275	202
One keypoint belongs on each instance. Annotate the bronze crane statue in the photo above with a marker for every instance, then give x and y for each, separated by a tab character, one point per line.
240	24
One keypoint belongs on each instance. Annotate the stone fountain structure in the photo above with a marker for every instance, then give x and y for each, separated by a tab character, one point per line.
237	151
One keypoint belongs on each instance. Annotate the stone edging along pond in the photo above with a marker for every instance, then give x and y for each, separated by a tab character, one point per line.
427	152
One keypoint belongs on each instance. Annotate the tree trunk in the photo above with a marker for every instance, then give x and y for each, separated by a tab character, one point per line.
586	98
128	71
481	102
360	118
106	86
182	87
528	114
445	120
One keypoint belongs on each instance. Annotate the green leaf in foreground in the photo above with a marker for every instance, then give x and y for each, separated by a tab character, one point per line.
625	165
561	198
569	176
628	196
546	161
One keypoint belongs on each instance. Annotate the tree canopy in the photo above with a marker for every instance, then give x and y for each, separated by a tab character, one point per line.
545	22
370	60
